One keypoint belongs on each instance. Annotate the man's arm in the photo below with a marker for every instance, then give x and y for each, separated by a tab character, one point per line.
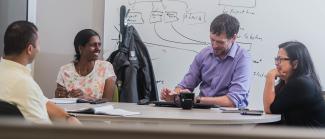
238	88
193	77
57	113
189	82
240	82
223	101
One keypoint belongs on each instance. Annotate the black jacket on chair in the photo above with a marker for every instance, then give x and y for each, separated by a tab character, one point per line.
133	68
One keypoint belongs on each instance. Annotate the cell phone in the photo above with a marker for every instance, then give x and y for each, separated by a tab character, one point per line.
81	100
97	101
252	112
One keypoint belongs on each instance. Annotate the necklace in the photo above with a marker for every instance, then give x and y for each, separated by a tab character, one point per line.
79	71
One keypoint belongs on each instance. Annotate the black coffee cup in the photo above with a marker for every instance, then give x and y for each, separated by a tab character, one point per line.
186	100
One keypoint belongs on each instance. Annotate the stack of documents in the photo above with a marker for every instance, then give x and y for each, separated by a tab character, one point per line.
64	100
105	110
77	100
243	111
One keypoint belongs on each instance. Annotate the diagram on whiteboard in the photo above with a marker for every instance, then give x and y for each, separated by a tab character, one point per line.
175	31
166	22
177	28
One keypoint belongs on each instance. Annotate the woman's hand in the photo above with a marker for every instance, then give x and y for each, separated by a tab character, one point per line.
61	92
75	93
272	74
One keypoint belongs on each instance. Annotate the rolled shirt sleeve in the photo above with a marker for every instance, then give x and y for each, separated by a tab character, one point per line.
240	83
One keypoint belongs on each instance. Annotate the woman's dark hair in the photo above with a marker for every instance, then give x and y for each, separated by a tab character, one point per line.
81	39
297	51
17	37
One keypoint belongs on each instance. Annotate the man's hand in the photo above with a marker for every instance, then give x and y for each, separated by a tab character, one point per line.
167	94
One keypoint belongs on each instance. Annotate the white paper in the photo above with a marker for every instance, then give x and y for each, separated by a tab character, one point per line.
63	100
109	110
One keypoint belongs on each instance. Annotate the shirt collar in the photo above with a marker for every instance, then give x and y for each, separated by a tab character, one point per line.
16	65
231	53
233	50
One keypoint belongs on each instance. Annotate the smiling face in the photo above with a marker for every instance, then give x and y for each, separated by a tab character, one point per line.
92	49
221	44
284	65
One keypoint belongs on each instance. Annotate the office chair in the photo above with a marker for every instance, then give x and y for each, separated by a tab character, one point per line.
9	110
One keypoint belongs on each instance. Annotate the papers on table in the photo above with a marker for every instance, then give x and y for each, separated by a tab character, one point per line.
103	109
229	110
77	100
244	111
106	110
64	100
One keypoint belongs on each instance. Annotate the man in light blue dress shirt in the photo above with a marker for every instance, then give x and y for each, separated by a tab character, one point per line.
223	70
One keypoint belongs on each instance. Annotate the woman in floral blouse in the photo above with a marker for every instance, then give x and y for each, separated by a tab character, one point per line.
86	77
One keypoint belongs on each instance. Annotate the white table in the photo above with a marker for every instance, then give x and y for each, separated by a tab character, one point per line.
168	115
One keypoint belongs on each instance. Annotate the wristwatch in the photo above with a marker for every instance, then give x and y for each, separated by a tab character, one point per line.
177	100
198	99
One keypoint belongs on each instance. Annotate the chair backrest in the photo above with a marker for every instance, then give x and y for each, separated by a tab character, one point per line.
7	109
116	95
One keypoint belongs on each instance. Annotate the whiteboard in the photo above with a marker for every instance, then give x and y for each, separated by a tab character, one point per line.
176	30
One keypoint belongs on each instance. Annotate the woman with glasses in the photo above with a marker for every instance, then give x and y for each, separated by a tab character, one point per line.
86	77
297	96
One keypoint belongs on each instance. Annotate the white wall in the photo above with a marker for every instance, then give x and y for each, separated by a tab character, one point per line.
10	10
58	22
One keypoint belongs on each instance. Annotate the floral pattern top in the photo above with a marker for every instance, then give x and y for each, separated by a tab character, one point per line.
92	84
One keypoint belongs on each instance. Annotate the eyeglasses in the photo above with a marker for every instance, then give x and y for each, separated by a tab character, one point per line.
278	60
